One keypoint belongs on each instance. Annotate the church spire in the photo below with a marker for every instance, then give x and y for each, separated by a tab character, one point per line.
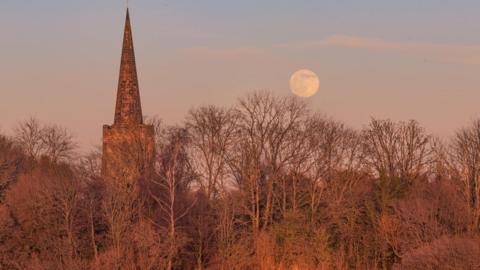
128	110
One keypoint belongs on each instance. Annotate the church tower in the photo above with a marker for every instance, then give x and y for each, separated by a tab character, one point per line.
128	144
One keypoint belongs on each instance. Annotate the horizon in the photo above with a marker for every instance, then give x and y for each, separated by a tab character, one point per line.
191	54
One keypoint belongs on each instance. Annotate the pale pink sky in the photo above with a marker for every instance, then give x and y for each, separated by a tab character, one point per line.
60	62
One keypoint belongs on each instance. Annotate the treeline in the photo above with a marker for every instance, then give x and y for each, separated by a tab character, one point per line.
265	184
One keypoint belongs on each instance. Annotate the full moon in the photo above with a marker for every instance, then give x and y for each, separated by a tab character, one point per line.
304	83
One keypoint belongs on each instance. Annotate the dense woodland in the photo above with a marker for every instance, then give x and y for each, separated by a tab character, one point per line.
265	184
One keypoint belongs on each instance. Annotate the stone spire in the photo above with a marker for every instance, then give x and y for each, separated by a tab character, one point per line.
128	144
128	110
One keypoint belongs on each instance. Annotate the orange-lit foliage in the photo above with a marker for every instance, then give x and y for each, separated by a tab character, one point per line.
263	185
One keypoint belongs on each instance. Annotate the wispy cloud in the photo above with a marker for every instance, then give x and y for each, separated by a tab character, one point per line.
466	54
451	53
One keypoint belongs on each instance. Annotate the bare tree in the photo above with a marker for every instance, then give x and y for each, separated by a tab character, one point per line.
39	140
333	162
167	188
122	207
264	146
29	135
396	150
211	130
465	156
45	203
11	163
57	143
